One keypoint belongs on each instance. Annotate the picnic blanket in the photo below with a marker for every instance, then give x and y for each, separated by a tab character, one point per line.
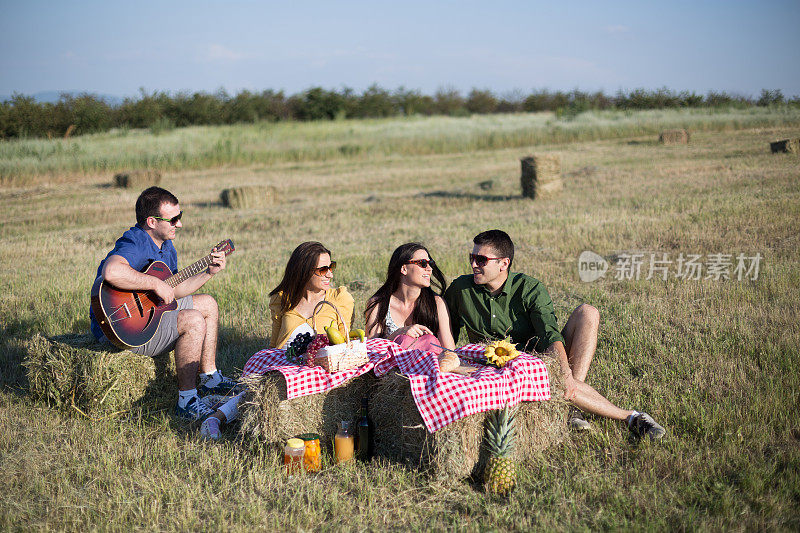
302	380
441	398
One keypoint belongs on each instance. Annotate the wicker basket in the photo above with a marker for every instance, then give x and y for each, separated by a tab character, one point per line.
350	354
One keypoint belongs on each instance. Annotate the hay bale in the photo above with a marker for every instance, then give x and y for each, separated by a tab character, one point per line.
76	372
541	176
268	419
674	137
455	451
137	179
249	197
787	146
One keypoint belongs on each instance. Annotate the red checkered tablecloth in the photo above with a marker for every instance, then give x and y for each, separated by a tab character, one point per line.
441	398
303	380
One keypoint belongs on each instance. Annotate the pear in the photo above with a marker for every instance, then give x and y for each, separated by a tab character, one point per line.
334	335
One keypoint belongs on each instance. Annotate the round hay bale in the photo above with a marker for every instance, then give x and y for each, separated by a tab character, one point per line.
268	419
137	179
455	451
787	146
249	197
674	137
541	176
75	372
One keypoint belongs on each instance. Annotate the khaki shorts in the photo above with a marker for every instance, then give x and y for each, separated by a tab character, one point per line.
167	332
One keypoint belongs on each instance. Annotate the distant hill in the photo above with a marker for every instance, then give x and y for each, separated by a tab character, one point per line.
53	96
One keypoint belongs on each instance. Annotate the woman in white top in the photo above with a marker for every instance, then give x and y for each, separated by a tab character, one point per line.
405	308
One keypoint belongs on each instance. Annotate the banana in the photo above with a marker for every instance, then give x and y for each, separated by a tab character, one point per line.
359	334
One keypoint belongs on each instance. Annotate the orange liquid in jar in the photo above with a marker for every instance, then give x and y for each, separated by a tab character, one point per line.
344	447
312	460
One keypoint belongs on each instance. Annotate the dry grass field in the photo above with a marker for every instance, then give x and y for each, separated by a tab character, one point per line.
714	360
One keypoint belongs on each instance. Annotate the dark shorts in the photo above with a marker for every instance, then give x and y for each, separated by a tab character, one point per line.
167	332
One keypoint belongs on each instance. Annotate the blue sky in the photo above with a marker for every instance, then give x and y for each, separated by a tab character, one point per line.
112	47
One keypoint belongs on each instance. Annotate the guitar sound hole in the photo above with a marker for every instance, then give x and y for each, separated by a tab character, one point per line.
139	304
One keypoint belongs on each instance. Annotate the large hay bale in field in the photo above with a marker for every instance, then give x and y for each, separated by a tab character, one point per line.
541	176
76	372
789	146
137	179
252	196
455	451
674	137
268	419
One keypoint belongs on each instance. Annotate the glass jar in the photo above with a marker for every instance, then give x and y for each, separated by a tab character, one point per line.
293	456
343	443
312	458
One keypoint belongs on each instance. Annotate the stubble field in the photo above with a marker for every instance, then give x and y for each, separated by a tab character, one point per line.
714	360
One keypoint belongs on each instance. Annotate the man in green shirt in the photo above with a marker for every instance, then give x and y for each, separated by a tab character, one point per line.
494	303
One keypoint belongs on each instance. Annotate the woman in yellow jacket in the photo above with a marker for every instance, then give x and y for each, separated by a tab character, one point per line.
305	283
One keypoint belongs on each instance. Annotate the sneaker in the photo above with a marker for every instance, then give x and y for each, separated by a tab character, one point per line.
642	424
225	386
195	410
209	430
213	401
577	421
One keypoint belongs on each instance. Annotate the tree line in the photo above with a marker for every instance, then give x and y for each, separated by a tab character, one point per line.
22	116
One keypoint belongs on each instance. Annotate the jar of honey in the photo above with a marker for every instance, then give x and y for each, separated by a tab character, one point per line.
312	458
293	456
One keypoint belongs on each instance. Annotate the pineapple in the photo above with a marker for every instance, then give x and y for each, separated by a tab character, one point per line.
500	474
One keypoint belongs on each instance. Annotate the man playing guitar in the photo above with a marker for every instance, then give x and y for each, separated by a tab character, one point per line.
191	330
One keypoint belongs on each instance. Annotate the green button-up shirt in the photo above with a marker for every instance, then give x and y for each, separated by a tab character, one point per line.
522	310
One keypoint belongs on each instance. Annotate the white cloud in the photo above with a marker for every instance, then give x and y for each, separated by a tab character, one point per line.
219	53
619	28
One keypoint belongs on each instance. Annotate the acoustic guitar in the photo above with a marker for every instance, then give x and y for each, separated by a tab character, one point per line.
130	318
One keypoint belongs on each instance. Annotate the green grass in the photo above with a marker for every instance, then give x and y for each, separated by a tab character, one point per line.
716	362
21	161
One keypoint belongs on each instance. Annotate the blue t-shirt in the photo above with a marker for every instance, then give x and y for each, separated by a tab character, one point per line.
139	250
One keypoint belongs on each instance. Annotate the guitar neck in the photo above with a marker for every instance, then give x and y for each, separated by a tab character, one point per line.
193	269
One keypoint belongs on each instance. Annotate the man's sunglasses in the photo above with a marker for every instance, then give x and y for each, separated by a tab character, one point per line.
481	260
174	220
423	263
322	271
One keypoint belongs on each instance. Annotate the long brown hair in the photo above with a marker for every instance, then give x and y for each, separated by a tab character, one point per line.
424	308
299	270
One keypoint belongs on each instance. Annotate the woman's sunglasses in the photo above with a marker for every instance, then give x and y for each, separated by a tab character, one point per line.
481	260
174	220
323	271
422	263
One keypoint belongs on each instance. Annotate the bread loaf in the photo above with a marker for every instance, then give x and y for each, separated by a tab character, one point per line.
448	361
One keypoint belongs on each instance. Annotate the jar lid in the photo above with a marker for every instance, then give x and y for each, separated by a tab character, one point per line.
295	443
309	436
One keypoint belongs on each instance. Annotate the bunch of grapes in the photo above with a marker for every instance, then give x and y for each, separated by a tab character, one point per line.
298	346
318	342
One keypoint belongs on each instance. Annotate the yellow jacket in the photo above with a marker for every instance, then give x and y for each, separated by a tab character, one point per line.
283	324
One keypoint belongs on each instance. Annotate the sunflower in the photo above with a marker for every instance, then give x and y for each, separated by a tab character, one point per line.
499	353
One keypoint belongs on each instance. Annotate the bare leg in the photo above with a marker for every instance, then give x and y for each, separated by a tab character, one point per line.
188	348
591	401
580	339
210	311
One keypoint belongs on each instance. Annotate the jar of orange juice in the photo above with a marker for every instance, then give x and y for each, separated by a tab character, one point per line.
343	443
293	456
312	458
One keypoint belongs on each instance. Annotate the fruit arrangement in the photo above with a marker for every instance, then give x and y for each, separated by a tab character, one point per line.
298	347
500	474
319	341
